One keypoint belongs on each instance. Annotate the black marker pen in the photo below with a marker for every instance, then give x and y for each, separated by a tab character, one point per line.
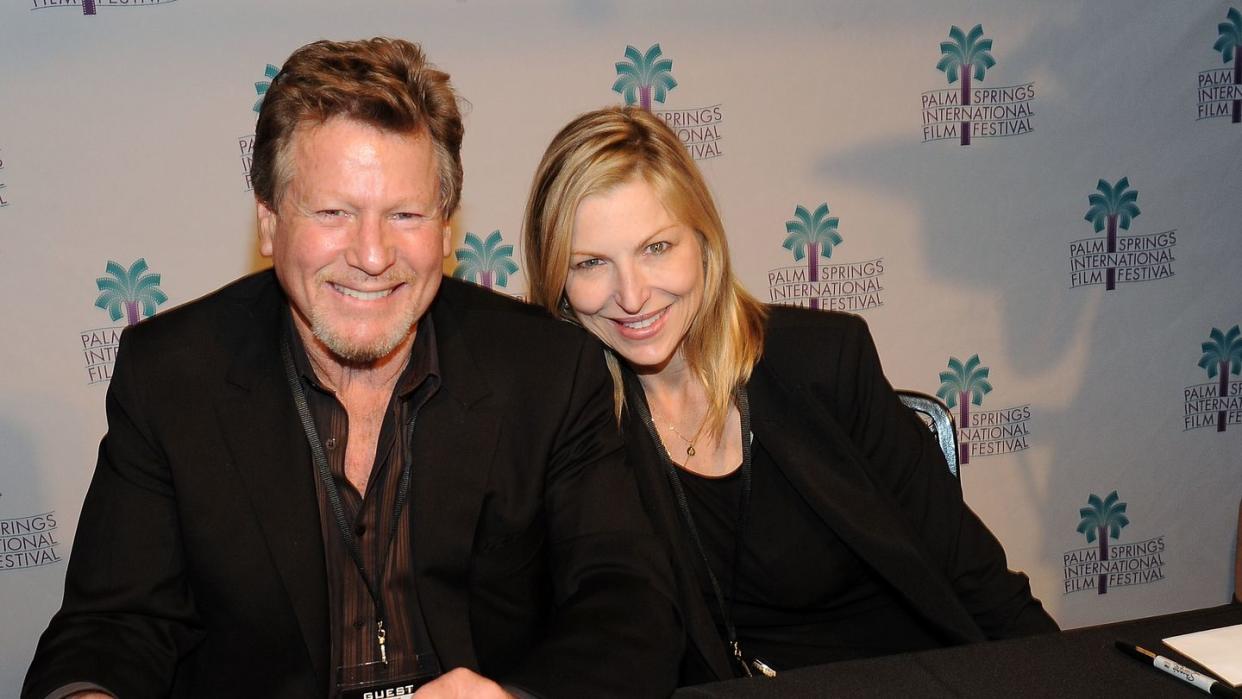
1207	684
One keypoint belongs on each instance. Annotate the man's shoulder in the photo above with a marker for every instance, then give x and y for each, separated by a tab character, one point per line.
468	296
517	346
477	309
203	323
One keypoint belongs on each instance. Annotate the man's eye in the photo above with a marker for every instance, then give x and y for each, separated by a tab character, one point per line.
408	216
330	213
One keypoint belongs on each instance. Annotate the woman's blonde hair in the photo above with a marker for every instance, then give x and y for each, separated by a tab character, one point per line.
599	151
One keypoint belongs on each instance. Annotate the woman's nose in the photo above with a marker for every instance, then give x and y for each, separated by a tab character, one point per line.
632	290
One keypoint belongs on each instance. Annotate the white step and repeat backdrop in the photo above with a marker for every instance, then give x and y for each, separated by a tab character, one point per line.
1035	206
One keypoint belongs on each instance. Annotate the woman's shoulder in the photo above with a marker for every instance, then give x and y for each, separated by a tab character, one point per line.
804	346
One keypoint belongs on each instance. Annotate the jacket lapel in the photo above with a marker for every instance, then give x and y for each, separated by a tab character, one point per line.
455	437
268	450
821	462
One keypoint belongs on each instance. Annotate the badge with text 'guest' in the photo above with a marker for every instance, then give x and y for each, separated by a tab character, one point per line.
398	675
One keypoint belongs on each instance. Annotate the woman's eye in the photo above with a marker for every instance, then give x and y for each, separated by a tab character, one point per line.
588	263
660	247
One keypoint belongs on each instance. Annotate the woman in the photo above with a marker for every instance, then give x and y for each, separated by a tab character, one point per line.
809	514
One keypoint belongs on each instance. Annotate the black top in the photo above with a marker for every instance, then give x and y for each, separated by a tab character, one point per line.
868	468
802	596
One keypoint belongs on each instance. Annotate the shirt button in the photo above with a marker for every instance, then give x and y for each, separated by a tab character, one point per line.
330	443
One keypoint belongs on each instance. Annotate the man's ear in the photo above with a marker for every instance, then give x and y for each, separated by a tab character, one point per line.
267	227
448	239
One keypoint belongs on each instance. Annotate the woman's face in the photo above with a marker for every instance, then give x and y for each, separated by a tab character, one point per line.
635	274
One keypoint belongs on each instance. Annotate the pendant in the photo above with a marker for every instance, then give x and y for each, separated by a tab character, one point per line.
690	450
763	668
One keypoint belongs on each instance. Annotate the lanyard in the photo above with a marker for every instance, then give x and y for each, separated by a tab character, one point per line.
334	496
683	505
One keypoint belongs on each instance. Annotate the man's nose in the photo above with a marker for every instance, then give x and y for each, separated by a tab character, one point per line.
371	249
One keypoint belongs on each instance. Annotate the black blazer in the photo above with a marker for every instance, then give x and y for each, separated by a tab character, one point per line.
870	469
198	566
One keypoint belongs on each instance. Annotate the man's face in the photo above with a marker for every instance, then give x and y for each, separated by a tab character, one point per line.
357	239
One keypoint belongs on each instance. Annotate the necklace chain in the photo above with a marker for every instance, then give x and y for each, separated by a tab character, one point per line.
689	442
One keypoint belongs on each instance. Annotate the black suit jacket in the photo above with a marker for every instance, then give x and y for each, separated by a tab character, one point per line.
870	469
198	566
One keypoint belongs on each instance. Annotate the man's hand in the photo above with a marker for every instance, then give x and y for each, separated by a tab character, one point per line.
461	684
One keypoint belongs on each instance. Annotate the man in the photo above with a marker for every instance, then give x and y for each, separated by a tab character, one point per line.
349	475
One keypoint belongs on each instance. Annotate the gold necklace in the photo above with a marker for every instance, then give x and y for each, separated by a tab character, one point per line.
689	442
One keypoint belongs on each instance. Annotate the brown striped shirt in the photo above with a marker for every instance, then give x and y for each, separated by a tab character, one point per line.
352	612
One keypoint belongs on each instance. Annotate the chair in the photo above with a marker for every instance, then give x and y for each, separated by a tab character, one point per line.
939	420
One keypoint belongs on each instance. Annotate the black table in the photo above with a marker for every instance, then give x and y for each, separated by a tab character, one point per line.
1077	663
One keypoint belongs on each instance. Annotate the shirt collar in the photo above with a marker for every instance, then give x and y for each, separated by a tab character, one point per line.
423	363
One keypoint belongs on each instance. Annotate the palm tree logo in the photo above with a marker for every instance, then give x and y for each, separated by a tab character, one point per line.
643	73
960	386
1112	205
1102	519
124	292
1228	43
965	54
1222	353
261	87
811	235
485	262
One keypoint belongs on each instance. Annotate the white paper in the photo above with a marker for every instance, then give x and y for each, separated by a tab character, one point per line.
1219	650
